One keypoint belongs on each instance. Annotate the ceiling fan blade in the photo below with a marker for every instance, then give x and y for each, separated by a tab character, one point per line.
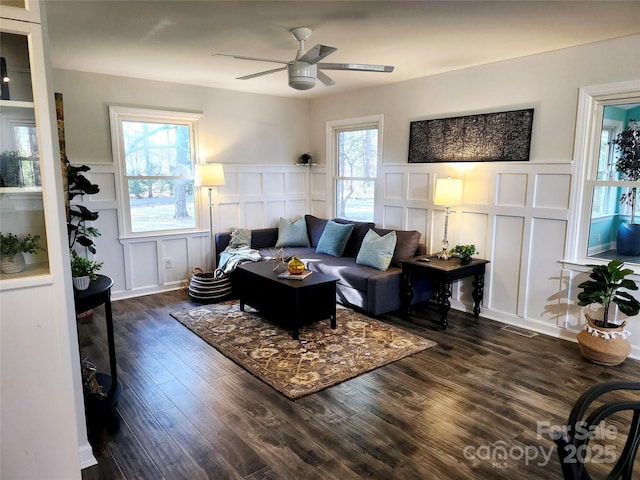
356	66
326	79
259	74
255	59
317	53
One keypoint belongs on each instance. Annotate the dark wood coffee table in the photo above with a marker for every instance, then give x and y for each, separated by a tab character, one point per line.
296	302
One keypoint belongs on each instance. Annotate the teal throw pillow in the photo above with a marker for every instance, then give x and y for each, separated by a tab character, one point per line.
334	238
377	251
292	234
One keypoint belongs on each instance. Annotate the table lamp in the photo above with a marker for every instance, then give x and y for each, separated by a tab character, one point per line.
448	194
210	175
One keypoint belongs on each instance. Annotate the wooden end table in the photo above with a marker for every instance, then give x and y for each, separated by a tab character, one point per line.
98	293
295	302
442	273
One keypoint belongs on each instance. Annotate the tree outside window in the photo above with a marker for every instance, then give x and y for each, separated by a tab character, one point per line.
157	158
357	161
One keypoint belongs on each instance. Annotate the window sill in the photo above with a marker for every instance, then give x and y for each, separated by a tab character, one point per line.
145	237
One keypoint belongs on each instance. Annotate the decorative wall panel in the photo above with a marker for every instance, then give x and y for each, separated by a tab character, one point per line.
251	185
253	215
552	191
504	136
418	186
393	183
546	247
512	190
392	217
505	264
417	220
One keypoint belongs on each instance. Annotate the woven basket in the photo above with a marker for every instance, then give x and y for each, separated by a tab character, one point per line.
209	287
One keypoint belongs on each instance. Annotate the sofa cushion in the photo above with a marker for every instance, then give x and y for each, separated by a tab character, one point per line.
360	229
292	234
240	237
406	245
377	251
315	227
334	238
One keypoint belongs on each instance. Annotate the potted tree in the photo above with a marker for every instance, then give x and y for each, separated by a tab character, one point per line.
13	248
83	270
628	164
601	341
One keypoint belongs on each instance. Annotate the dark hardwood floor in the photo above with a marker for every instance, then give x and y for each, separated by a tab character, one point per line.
188	412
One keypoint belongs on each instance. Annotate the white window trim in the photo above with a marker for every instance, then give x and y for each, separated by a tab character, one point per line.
591	103
332	128
118	114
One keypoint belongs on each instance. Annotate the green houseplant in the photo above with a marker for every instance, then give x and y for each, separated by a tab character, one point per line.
628	164
305	159
464	252
602	341
83	270
12	248
78	215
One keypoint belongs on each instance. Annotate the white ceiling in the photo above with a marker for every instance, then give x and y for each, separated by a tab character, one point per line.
174	40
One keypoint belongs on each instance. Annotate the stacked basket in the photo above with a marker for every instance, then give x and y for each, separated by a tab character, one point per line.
209	287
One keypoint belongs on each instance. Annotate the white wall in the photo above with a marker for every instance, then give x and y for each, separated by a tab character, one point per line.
246	132
516	213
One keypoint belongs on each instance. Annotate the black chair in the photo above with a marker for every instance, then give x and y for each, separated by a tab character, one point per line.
573	444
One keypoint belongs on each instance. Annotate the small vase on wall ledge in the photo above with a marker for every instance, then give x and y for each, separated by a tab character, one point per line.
305	159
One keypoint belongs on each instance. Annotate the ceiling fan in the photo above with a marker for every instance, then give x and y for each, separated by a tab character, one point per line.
306	67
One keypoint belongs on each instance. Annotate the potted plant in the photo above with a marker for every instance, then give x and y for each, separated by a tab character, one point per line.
13	248
83	270
78	215
601	341
464	252
628	164
305	159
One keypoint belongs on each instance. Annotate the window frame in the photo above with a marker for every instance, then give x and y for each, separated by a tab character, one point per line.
591	103
118	115
333	129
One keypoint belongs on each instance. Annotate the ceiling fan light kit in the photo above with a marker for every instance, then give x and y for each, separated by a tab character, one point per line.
305	69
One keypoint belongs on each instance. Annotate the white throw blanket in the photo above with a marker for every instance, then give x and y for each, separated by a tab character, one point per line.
231	257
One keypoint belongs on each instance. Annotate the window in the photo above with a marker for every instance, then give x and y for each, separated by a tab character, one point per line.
604	111
155	152
355	150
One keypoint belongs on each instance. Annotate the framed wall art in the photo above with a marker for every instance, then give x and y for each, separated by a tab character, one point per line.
489	137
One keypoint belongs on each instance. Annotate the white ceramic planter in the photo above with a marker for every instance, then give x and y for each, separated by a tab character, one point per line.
81	283
13	264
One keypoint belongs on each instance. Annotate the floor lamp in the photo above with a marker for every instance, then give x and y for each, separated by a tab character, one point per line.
209	175
448	194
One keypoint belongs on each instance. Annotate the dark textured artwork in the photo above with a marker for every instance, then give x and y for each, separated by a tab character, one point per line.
491	137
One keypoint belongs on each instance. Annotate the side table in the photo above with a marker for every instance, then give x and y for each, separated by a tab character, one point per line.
442	273
98	293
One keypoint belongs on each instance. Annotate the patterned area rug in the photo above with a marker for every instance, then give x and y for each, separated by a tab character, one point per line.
321	358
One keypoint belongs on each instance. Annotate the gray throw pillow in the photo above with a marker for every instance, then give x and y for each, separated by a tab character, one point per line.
292	234
240	237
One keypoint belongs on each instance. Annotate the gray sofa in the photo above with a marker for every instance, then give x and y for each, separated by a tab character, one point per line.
360	287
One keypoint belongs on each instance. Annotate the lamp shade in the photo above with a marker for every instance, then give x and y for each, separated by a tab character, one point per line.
448	192
209	174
